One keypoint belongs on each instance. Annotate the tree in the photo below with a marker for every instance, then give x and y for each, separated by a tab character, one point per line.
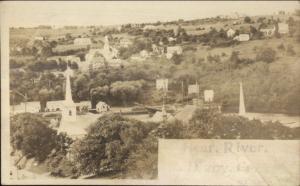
44	96
99	94
50	65
15	64
247	19
276	33
81	86
143	159
30	134
234	59
126	91
74	65
107	145
62	65
256	34
57	161
46	51
176	58
165	40
261	19
209	124
68	36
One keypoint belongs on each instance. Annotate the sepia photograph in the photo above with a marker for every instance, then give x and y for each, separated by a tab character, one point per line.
150	92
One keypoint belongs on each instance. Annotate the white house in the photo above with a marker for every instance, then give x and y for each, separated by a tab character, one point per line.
149	27
102	107
242	37
157	49
82	41
230	32
208	95
268	32
125	42
193	89
172	50
170	39
39	38
83	105
162	84
32	107
70	58
52	106
95	59
283	28
141	56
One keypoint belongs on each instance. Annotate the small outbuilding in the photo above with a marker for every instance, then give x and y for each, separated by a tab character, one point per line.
102	107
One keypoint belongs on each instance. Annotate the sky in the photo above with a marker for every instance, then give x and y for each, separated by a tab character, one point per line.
18	13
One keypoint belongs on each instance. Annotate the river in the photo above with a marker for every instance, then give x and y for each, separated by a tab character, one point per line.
287	120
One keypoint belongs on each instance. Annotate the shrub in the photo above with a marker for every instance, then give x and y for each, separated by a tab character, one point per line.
214	58
171	129
60	166
247	19
290	50
266	55
281	47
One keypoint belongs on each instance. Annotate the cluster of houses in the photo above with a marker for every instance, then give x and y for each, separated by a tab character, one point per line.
162	85
267	32
60	105
158	50
97	57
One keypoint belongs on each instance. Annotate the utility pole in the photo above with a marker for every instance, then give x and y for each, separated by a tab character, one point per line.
182	89
25	104
188	83
164	112
198	95
13	103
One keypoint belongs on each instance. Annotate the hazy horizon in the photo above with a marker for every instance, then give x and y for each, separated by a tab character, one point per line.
105	13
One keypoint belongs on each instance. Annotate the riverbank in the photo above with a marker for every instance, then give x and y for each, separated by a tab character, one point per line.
286	120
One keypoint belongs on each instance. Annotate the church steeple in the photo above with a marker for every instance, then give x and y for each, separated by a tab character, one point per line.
69	110
68	96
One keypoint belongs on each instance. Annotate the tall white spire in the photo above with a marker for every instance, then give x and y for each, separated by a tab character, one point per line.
68	96
69	109
242	109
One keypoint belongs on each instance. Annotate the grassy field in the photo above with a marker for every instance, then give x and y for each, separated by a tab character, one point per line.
250	48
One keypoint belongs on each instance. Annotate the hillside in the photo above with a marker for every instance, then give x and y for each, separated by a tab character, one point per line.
268	67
